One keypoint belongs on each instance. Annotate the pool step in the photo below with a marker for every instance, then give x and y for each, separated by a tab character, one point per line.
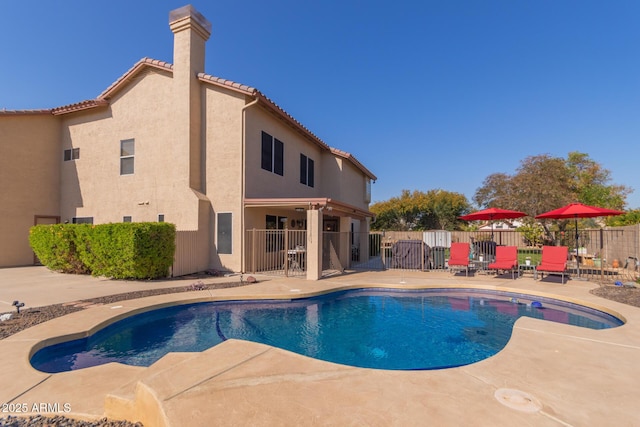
143	399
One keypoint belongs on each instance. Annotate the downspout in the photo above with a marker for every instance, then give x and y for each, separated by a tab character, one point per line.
243	182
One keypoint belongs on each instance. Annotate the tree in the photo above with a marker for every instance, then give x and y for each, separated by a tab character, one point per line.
629	218
591	183
435	209
542	183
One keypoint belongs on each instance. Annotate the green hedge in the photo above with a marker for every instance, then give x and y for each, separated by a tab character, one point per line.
55	247
137	250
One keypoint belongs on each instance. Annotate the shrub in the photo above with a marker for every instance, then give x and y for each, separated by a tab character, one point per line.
55	246
119	251
132	250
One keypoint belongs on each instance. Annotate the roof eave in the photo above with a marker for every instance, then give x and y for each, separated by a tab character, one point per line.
336	207
79	106
132	72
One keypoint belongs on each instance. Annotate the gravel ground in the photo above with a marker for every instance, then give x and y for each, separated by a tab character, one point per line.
623	294
60	421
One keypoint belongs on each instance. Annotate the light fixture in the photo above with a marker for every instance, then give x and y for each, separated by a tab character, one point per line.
299	209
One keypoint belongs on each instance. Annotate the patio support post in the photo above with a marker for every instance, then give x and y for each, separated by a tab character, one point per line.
314	244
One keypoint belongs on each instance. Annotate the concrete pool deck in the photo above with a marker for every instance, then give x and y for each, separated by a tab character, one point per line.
549	374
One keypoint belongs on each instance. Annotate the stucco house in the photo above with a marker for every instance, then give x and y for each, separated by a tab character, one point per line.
168	142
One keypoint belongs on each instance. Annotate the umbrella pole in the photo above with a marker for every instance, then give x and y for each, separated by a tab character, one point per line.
491	219
577	249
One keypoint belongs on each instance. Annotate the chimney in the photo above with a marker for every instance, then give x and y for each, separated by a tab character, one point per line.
191	31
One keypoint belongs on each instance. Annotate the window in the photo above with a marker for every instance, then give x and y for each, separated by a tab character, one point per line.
272	154
126	219
71	154
82	220
127	151
160	217
224	233
306	170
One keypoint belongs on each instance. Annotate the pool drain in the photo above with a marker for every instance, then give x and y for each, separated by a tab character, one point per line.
518	400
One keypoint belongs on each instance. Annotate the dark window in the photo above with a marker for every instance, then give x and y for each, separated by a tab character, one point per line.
278	157
272	158
267	152
224	233
126	219
71	154
160	217
82	220
306	171
303	169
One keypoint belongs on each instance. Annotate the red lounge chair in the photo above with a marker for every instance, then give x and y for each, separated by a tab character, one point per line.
459	257
554	260
506	259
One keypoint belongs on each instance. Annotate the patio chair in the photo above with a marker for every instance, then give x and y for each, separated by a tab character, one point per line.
554	260
506	260
459	257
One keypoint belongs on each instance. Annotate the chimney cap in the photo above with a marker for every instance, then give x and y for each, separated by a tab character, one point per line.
189	11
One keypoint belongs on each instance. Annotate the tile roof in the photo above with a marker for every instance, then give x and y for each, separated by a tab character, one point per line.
132	72
24	112
228	84
79	106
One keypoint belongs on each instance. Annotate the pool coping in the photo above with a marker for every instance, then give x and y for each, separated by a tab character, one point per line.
561	401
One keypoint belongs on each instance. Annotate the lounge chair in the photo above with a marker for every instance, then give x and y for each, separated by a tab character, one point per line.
554	260
506	260
459	257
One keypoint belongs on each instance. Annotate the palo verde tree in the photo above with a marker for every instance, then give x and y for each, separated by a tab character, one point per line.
433	210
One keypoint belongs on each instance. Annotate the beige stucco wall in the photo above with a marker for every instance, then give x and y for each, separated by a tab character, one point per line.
223	167
29	180
343	181
92	186
262	183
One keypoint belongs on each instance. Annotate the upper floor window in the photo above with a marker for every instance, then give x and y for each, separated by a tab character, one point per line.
127	152
306	170
272	154
71	154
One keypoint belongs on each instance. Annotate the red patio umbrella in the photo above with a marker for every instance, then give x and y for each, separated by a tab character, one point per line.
491	214
575	211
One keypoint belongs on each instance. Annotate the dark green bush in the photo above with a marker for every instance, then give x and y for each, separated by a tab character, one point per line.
120	251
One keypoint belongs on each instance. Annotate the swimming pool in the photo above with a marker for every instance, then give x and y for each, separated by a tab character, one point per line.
372	328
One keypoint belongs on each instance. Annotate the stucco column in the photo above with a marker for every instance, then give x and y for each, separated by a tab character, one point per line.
314	244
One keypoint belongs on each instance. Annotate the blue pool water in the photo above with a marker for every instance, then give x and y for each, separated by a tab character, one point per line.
373	328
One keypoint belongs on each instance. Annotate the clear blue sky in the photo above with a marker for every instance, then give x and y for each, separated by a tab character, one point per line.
427	94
